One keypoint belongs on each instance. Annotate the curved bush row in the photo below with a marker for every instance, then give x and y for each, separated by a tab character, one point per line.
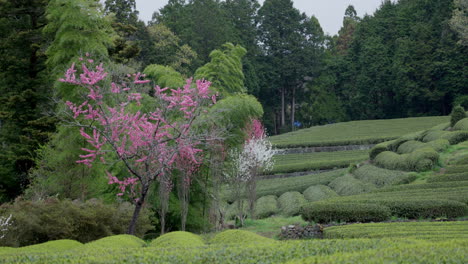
413	145
117	241
454	137
326	212
419	160
318	192
382	177
348	185
266	206
290	203
461	125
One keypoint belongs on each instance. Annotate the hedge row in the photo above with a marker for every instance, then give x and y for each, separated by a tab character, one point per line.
382	177
428	230
381	209
419	160
456	169
325	212
287	163
449	177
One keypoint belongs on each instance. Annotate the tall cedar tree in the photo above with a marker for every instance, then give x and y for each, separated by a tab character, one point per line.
23	93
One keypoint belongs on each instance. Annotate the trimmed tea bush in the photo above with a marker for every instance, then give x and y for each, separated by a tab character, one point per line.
461	125
118	241
348	185
178	239
412	145
51	246
239	237
325	212
419	160
290	203
379	148
382	177
318	192
454	137
266	206
457	114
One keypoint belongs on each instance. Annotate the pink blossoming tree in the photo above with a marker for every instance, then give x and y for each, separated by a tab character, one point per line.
150	144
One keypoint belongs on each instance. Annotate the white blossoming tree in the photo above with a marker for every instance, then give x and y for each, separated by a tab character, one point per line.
255	157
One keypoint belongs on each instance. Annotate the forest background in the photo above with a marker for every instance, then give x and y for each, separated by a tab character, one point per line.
407	59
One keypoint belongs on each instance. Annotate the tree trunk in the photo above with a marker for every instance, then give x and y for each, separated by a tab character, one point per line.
136	212
293	106
283	117
252	193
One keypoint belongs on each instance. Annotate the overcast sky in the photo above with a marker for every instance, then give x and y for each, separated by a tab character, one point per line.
329	12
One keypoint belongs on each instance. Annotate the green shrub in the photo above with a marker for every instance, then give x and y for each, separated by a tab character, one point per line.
53	219
422	208
426	230
454	137
266	206
290	203
117	241
239	237
426	187
456	169
382	177
178	239
325	212
348	185
461	125
448	177
318	192
458	113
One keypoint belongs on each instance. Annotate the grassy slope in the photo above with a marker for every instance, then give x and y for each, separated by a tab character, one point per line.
355	132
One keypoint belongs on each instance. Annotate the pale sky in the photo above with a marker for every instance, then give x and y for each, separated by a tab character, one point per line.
329	12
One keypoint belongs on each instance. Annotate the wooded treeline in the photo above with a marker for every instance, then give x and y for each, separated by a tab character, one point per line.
407	59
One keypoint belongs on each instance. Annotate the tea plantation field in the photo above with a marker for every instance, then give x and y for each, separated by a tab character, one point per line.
355	132
236	246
